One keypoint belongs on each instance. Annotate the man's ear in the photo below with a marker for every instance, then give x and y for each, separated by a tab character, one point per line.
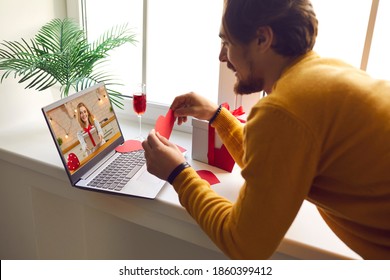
265	37
261	39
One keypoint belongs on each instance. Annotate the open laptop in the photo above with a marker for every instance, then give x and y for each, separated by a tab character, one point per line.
89	153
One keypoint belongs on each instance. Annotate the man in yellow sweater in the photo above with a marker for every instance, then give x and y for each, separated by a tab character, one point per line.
322	134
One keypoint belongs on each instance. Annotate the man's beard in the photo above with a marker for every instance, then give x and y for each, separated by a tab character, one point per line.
247	87
251	85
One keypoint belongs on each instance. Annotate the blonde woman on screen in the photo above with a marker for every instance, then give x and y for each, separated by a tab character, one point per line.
91	135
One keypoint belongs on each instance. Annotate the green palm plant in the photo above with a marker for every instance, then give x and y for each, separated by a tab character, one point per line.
60	53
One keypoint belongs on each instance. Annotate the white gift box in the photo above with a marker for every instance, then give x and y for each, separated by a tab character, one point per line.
216	154
95	137
200	136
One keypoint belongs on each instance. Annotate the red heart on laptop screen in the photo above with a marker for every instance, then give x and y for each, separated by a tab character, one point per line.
164	125
73	162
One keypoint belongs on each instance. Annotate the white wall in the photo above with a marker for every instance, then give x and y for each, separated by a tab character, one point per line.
22	19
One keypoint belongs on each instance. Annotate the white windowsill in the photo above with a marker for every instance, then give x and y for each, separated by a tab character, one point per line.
31	147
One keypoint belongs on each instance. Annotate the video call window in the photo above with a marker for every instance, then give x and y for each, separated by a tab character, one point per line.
83	127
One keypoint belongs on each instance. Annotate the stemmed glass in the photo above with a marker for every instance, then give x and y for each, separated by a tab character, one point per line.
139	106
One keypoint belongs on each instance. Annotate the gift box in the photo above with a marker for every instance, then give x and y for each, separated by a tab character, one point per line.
207	146
92	138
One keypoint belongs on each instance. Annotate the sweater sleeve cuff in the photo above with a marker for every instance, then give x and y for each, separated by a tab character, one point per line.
184	177
224	119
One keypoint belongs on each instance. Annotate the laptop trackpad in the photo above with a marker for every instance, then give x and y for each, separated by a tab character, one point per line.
148	178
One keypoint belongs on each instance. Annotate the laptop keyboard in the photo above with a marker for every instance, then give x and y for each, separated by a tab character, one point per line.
119	172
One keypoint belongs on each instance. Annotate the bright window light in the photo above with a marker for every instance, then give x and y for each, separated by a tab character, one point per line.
182	45
379	59
125	62
183	48
342	28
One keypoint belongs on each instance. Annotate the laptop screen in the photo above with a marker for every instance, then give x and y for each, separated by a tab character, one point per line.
84	128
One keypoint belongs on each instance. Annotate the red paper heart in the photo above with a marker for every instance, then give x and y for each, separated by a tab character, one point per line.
208	176
183	150
73	162
164	125
129	146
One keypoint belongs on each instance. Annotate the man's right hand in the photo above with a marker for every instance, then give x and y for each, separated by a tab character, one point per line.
194	105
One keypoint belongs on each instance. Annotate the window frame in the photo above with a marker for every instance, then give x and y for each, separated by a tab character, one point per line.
76	10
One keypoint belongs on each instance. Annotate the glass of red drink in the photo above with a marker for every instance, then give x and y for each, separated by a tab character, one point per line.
139	106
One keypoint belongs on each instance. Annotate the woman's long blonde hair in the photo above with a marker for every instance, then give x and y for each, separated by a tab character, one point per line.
90	116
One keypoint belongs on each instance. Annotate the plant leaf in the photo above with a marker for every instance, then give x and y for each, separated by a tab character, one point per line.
60	53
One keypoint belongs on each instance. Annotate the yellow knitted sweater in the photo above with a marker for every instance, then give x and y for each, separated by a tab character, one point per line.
322	135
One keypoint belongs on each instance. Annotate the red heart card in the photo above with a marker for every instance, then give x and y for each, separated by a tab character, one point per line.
164	125
208	176
129	146
183	150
